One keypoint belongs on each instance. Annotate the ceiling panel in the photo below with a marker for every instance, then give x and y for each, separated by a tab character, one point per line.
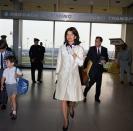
104	6
40	1
123	3
102	3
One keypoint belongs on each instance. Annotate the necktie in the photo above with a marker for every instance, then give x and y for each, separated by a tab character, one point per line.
1	61
98	52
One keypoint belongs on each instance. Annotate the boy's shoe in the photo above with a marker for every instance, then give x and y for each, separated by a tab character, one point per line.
14	117
3	107
10	114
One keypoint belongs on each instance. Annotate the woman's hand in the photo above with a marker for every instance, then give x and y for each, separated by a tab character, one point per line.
74	56
85	70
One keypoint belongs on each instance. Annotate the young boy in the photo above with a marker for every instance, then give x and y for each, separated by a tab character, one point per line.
10	74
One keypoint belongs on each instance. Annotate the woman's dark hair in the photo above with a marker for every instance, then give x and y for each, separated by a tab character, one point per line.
3	44
75	32
12	59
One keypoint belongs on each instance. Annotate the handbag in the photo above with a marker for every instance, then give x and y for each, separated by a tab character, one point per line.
22	86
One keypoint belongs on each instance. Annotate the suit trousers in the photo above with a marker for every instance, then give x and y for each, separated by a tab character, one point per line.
94	79
39	67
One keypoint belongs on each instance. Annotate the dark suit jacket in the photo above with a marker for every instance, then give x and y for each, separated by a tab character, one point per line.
92	55
36	53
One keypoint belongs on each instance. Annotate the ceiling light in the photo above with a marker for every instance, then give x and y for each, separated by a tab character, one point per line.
117	1
91	2
71	8
5	5
104	9
38	6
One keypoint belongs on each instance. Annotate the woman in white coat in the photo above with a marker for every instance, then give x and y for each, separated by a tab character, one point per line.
68	88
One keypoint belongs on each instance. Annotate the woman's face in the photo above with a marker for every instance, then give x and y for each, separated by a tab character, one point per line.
70	37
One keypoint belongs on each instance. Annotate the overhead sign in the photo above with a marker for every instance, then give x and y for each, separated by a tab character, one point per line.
116	41
64	16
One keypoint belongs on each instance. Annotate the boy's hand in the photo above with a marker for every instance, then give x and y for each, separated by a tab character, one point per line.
16	75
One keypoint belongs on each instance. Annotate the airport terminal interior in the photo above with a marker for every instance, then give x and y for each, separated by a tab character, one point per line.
23	20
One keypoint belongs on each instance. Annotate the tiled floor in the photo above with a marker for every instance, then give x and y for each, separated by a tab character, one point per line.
37	111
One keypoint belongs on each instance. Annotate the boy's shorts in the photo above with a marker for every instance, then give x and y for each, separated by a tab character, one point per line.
11	89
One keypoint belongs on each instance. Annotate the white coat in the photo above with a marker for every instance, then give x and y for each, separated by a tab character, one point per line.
68	80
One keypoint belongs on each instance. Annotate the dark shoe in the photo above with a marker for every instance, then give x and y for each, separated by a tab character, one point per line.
3	107
85	100
33	82
14	117
130	84
11	114
72	113
66	128
39	81
122	82
97	100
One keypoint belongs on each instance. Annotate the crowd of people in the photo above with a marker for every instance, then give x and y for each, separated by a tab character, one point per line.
68	84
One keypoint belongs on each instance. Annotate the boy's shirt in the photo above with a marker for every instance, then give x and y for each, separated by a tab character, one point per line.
9	74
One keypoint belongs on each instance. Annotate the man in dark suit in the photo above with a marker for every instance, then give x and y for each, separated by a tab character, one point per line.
99	56
3	37
36	58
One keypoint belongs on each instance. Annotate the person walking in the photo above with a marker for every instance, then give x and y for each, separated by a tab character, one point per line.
99	56
124	59
10	74
68	88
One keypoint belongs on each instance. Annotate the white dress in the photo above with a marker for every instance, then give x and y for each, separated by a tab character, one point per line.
68	80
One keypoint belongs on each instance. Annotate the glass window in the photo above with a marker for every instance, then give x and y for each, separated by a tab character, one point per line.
6	28
43	30
106	31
